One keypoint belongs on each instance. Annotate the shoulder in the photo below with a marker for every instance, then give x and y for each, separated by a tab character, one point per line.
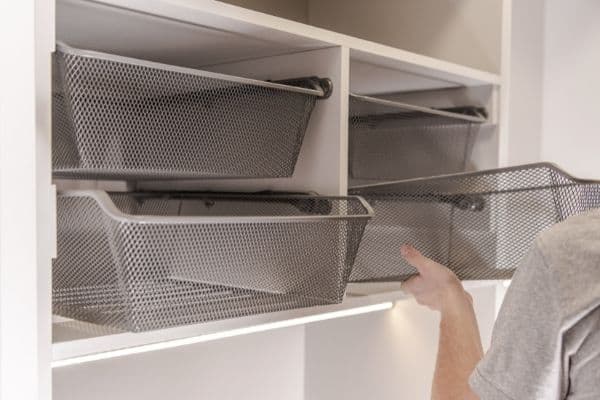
571	252
576	236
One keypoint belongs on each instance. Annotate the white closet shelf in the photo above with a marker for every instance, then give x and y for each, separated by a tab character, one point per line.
76	342
202	33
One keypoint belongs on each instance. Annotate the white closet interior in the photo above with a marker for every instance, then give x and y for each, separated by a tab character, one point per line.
417	52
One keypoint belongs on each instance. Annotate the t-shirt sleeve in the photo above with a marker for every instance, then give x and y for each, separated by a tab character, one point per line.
525	357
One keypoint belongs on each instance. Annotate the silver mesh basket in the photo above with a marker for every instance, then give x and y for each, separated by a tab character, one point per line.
142	261
392	141
123	118
478	224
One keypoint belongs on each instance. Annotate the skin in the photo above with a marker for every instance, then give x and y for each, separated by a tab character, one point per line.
459	348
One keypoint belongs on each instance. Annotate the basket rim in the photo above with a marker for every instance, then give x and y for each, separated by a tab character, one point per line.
412	107
61	47
544	164
104	201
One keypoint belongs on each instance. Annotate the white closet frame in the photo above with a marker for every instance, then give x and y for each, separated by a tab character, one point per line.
27	196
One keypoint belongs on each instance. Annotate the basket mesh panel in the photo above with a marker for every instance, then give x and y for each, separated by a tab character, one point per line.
138	275
391	144
479	224
117	120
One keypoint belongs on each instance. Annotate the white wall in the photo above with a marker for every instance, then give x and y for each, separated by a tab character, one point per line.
385	356
526	67
296	10
555	84
571	134
467	32
262	366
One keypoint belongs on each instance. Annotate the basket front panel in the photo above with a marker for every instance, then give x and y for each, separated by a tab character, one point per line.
402	152
304	258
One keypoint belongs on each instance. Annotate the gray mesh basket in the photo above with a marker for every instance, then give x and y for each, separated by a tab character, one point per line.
390	140
478	224
141	261
123	118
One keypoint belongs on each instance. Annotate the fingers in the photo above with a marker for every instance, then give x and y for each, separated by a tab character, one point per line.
434	284
423	264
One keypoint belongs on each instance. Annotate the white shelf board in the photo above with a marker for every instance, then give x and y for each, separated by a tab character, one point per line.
203	32
75	339
368	78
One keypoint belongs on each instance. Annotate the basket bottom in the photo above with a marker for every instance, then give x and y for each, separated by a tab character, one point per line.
169	303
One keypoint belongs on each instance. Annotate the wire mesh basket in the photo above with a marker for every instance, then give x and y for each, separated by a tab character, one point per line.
390	140
122	118
478	224
142	261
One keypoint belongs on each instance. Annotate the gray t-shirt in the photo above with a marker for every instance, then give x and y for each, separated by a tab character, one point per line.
546	341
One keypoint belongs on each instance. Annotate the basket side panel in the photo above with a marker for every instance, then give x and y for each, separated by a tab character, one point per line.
65	154
398	221
573	197
137	121
85	283
479	225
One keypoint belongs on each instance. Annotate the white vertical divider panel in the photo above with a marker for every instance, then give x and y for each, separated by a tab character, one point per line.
344	117
322	163
27	242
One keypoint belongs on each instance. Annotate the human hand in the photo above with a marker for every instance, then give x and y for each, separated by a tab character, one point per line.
436	286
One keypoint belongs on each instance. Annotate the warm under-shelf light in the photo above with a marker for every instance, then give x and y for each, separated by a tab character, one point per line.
220	335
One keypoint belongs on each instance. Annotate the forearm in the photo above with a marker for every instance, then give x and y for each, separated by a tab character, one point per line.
460	345
459	349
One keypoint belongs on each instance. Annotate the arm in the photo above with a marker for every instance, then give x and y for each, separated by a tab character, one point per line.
459	348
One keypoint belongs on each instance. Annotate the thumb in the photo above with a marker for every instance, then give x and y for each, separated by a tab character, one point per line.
423	264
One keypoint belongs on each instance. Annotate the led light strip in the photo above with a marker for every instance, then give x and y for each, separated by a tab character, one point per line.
221	335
